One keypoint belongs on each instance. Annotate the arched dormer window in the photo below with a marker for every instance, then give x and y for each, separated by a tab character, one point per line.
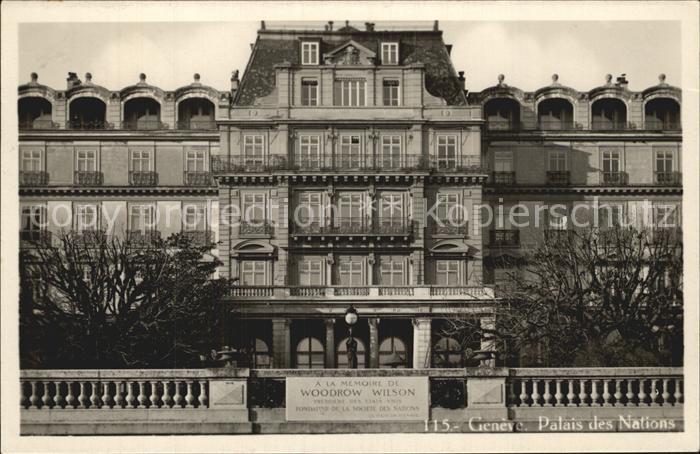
34	113
142	113
608	114
662	114
555	114
502	114
87	113
196	113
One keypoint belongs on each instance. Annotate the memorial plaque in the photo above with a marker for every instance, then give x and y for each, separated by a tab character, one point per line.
357	398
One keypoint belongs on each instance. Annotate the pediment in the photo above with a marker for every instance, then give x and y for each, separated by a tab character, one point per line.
350	53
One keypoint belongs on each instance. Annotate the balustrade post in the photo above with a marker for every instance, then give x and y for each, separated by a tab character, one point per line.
177	397
34	397
94	398
558	395
46	399
677	394
118	397
142	398
642	396
130	398
594	392
618	393
203	399
547	396
570	396
630	393
70	398
523	393
58	399
82	397
154	394
106	398
535	393
665	395
189	398
582	392
167	400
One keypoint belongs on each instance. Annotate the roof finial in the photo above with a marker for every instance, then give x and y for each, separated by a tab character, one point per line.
662	78
501	77
34	77
262	25
88	77
330	25
347	23
196	78
608	79
142	78
555	79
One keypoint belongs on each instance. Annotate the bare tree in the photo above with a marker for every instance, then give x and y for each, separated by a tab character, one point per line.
116	302
609	297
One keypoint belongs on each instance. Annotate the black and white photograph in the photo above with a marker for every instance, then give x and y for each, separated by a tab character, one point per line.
349	227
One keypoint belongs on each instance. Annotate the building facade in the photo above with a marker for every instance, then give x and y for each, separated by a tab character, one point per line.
346	168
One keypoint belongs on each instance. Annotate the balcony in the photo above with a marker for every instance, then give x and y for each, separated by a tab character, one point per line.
38	124
355	226
198	237
88	178
255	229
197	179
244	164
610	125
557	125
556	235
406	292
141	239
450	228
502	124
613	178
82	125
504	238
661	125
558	177
503	178
138	125
197	125
667	178
33	178
143	178
35	238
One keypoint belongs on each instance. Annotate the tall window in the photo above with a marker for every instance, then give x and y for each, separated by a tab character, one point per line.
309	92
350	92
142	217
558	218
610	215
391	152
664	161
666	216
194	217
86	217
391	210
350	271
254	209
32	222
611	161
557	161
390	348
311	271
253	149
141	160
31	161
350	151
390	53
342	354
447	273
448	209
261	355
503	161
309	151
309	53
350	208
390	89
86	160
392	271
253	272
446	151
310	354
309	210
196	161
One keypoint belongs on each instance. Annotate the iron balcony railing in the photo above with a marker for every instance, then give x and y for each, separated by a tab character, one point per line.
144	124
504	238
88	178
143	178
556	125
355	226
88	124
450	227
240	164
198	237
199	125
142	238
255	228
33	178
661	125
613	178
558	177
197	178
503	178
38	124
502	124
667	178
554	235
598	124
423	291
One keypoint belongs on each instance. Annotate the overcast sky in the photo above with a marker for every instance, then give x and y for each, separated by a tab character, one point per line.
528	53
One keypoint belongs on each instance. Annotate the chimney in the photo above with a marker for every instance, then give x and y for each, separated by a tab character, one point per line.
622	81
462	80
369	26
330	25
262	25
234	81
72	80
449	49
435	26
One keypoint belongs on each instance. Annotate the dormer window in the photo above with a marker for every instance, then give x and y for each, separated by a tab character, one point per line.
390	53
309	53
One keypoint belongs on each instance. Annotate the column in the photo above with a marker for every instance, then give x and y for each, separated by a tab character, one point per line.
488	323
330	343
421	343
374	343
281	344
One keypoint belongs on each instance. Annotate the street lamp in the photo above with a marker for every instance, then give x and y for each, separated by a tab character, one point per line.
351	317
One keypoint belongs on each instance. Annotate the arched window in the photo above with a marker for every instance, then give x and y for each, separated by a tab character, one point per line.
310	354
341	357
261	355
447	353
87	113
662	114
392	353
34	113
195	113
608	114
502	114
555	114
142	113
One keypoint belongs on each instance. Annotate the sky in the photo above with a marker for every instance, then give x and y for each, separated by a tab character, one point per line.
526	52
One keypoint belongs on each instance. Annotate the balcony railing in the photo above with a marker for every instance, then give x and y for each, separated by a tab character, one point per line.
388	292
556	125
198	237
667	178
613	178
197	178
610	125
38	124
33	178
255	228
558	177
554	235
503	178
504	238
450	228
88	125
88	178
241	164
142	238
35	238
502	124
355	226
200	125
144	125
143	178
660	125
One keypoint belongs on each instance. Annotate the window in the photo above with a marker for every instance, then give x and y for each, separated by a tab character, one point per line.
611	161
86	160
142	217
503	161
309	92
86	217
310	354
446	152
253	149
32	222
350	209
390	152
342	354
392	349
309	210
309	151
666	216
447	353
254	209
350	152
31	161
558	218
194	218
261	355
664	161
391	210
350	92
351	271
253	272
447	273
141	160
390	53
557	161
196	161
610	215
392	271
309	53
448	208
311	272
390	89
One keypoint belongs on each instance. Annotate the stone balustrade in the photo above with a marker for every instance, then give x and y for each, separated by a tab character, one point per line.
380	292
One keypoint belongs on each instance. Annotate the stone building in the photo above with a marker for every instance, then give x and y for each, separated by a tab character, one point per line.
345	168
